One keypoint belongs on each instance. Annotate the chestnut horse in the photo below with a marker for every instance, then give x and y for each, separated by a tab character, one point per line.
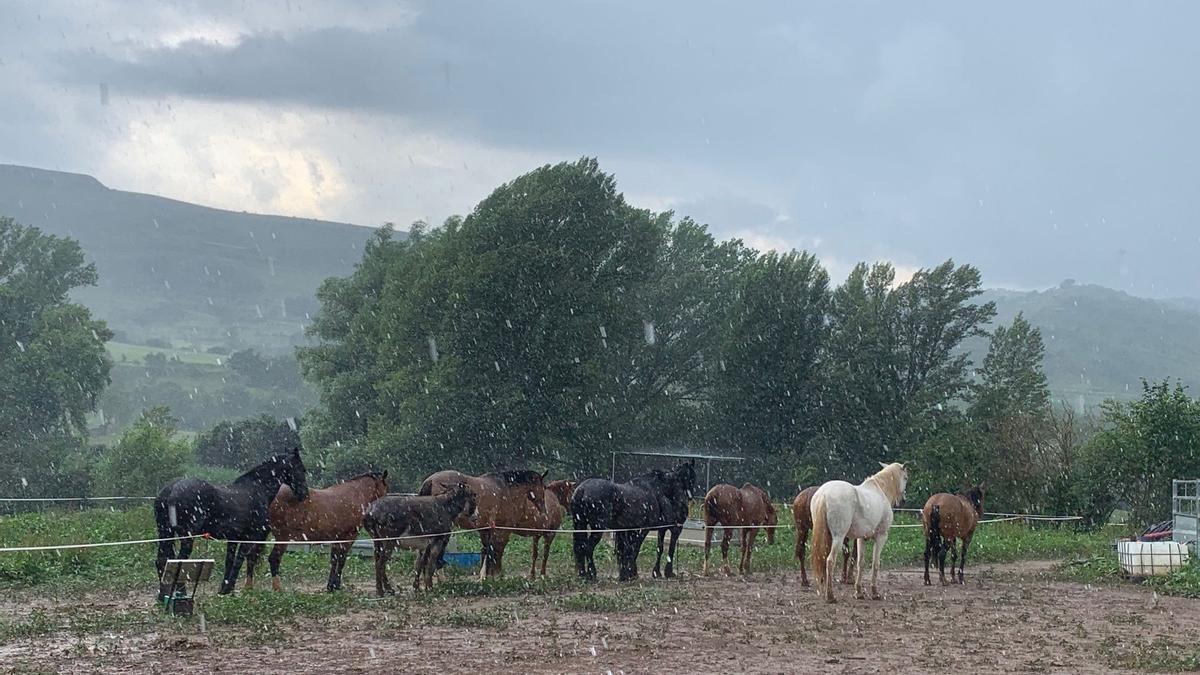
332	513
947	518
558	501
863	512
746	508
503	499
802	515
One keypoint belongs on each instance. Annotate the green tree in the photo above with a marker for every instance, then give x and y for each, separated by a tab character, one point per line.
896	373
244	443
767	398
1141	448
53	364
1012	409
551	325
146	457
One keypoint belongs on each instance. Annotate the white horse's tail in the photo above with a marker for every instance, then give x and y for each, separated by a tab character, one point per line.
822	538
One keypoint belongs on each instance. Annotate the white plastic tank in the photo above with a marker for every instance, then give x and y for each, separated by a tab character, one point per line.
1150	558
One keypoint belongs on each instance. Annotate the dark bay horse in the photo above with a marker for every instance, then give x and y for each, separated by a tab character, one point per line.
503	499
237	511
656	500
424	521
947	518
802	515
332	513
745	508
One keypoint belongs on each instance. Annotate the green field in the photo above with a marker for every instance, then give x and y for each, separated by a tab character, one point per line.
124	353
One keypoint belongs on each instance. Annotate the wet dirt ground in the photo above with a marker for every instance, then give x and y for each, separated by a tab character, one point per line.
1007	618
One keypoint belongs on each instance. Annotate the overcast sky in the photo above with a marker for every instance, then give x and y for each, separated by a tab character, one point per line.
1038	141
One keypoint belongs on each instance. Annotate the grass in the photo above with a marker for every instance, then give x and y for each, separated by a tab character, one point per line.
1098	569
138	353
264	616
1160	655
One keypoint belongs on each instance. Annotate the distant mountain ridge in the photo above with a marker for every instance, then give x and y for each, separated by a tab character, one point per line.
182	272
1101	342
198	276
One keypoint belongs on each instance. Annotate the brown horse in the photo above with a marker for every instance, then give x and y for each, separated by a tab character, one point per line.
558	500
802	515
947	518
332	513
503	500
747	508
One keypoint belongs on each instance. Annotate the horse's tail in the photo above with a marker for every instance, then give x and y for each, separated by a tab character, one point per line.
822	541
933	529
709	510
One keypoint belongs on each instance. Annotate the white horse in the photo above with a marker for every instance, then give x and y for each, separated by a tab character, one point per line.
864	511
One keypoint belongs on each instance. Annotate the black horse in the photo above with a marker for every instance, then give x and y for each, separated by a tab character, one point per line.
657	500
238	511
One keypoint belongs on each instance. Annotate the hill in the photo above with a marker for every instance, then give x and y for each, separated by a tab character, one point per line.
1101	342
183	273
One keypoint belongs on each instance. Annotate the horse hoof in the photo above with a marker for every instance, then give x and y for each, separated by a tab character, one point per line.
804	583
276	584
928	582
876	596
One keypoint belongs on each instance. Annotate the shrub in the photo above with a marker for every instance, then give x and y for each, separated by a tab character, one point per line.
147	456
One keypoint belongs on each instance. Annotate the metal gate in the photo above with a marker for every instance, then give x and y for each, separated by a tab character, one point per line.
1185	511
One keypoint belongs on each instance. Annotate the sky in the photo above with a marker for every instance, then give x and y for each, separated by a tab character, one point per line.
1037	141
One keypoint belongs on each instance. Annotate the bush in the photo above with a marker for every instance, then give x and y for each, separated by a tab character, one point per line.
147	457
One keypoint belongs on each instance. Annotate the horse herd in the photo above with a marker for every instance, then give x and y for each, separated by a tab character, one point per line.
274	498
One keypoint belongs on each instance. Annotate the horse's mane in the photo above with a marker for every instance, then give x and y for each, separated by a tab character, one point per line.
256	471
373	475
888	480
516	477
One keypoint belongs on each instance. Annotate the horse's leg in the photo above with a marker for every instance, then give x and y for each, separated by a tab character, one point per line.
251	562
708	535
499	543
962	560
230	556
546	541
830	564
876	554
337	558
437	548
670	571
422	563
953	546
848	553
658	559
928	554
382	551
485	547
859	546
726	535
942	560
748	549
801	544
593	542
533	559
274	561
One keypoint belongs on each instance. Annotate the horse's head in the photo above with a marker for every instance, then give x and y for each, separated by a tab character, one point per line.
536	492
684	477
562	490
470	503
974	495
379	483
293	473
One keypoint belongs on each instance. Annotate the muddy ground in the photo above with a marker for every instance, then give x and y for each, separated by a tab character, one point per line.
1007	618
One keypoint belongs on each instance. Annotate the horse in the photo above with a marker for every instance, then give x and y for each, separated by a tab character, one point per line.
802	515
747	508
424	522
190	507
503	498
656	500
863	512
558	500
332	513
947	518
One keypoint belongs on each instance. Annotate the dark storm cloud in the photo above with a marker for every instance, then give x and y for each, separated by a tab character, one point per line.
1038	140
